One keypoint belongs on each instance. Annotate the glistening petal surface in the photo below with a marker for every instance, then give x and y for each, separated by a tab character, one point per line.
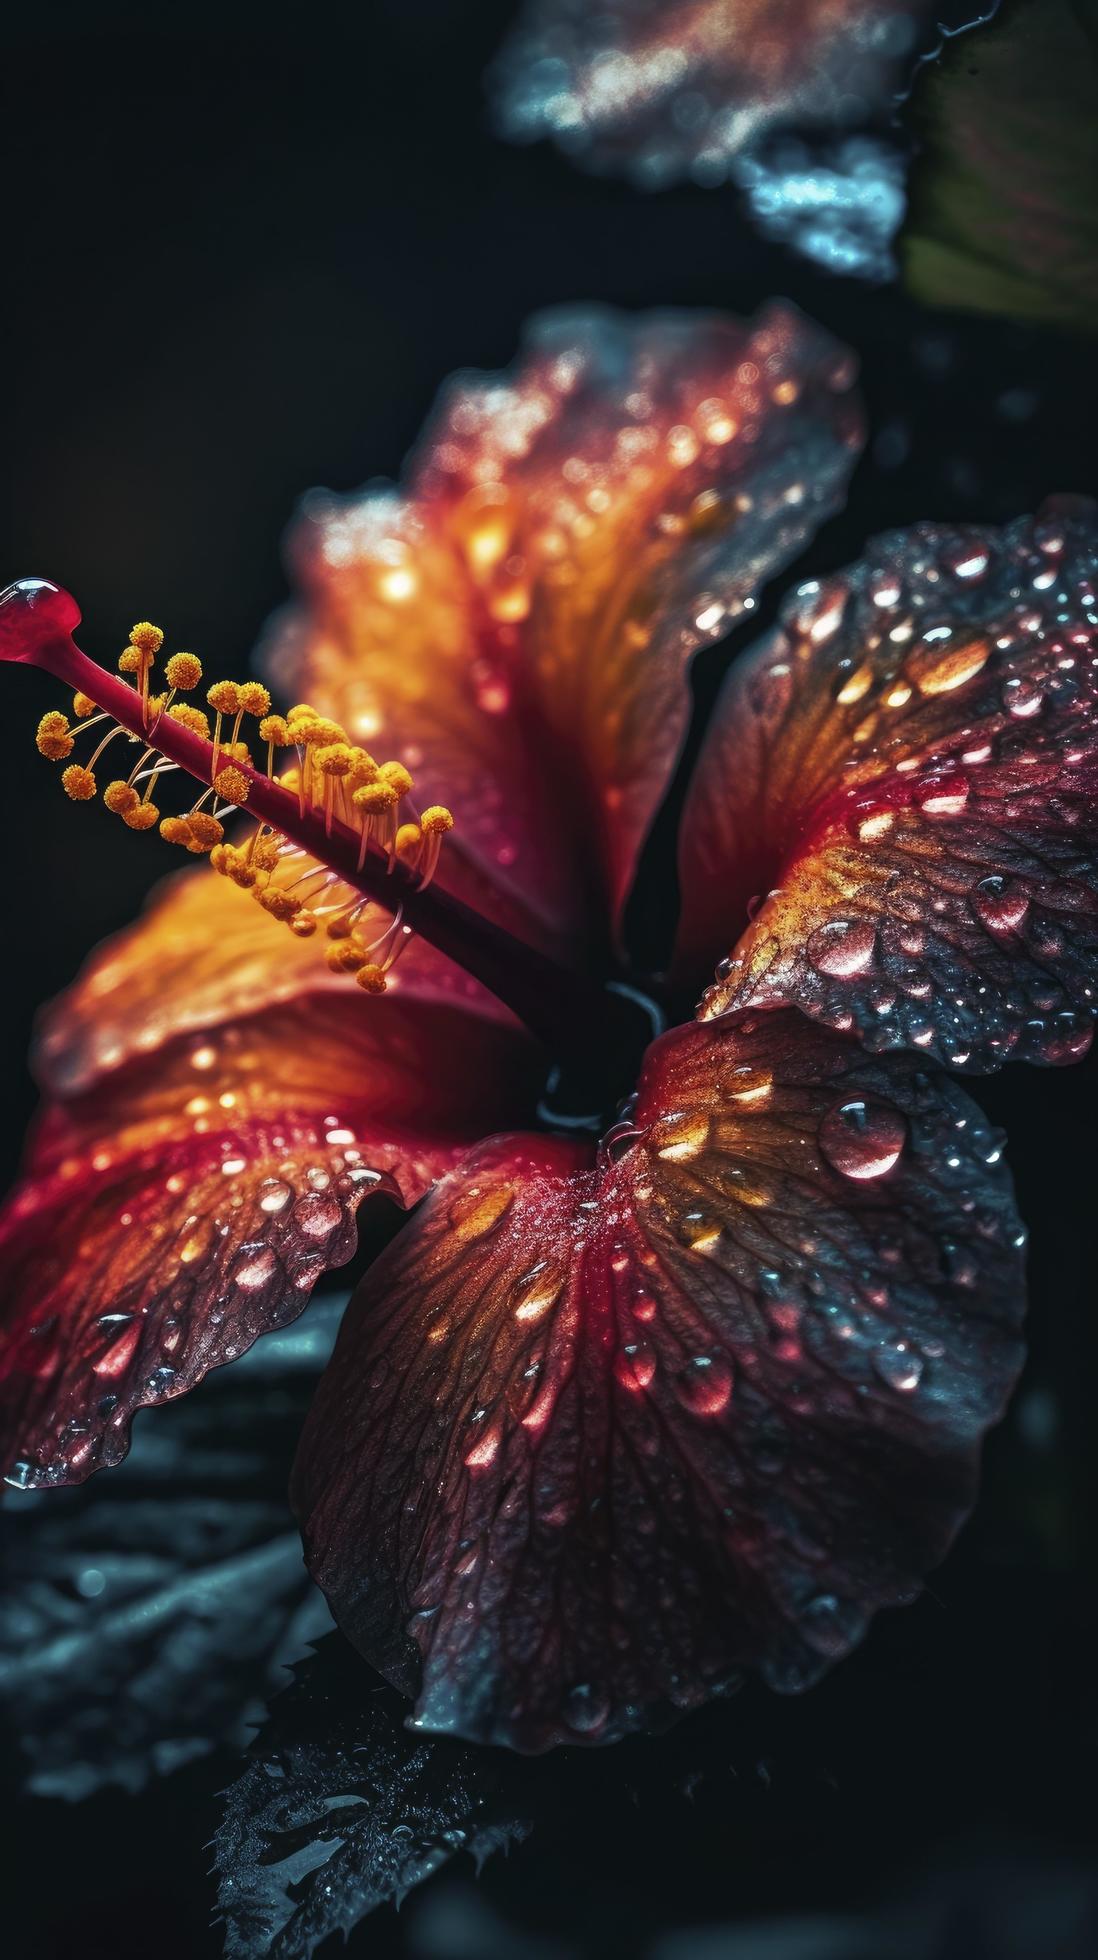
665	89
515	623
223	1113
597	1434
908	767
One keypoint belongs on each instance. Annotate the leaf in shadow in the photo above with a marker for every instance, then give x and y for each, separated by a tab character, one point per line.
1002	215
146	1616
341	1808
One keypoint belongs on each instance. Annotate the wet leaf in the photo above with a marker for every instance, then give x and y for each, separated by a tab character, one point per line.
341	1809
145	1617
1002	211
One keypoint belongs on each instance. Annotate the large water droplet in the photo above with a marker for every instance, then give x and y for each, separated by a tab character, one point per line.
704	1385
899	1367
862	1138
476	1211
832	1625
1001	904
586	1708
274	1195
635	1365
317	1216
255	1267
843	947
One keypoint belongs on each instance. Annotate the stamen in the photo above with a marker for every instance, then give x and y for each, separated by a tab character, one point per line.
336	814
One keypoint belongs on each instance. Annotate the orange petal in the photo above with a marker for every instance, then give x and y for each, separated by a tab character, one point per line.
225	1111
681	87
909	768
598	1433
515	626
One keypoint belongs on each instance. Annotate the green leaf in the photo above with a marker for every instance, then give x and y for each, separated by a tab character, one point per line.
1002	214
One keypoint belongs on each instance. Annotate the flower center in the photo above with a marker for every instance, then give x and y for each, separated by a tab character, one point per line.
337	847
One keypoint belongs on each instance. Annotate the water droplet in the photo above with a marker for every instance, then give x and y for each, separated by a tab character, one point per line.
862	1138
255	1267
274	1195
20	1476
317	1216
937	667
1001	904
832	1625
899	1367
942	796
476	1211
586	1708
843	947
1022	697
635	1365
704	1385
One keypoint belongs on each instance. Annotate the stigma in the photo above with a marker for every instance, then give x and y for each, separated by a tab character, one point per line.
327	840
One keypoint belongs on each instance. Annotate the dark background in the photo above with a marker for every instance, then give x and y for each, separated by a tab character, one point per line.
240	256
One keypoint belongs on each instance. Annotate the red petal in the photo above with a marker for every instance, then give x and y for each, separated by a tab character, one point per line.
516	625
911	763
597	1434
666	89
227	1115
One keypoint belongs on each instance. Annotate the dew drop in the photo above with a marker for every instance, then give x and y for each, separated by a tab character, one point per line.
255	1267
1000	904
635	1365
274	1195
476	1211
843	947
832	1625
899	1368
704	1385
586	1708
317	1216
936	667
862	1138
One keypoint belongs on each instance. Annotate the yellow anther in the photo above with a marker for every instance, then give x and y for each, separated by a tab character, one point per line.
205	831
235	751
53	738
147	638
175	830
336	759
78	783
304	925
363	770
184	670
83	706
233	864
397	776
129	660
276	730
318	730
436	819
264	854
408	841
224	697
143	816
375	798
254	698
155	705
301	711
341	928
371	979
120	797
232	785
280	905
188	716
344	955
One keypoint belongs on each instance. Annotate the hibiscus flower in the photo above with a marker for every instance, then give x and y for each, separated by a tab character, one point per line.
628	1405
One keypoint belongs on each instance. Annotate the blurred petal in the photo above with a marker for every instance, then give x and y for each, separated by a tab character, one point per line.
225	1114
909	767
598	1433
666	89
516	624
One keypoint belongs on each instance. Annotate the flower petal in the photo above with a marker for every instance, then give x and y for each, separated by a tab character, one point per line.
225	1114
667	89
911	763
516	624
597	1434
